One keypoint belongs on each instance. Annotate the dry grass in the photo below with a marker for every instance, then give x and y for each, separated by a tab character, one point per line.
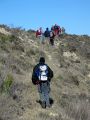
19	54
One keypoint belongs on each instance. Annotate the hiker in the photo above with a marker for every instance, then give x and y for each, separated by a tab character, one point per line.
47	33
39	34
41	77
56	29
52	37
52	28
62	30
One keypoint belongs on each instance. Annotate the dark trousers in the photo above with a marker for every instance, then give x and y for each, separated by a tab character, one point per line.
44	92
51	41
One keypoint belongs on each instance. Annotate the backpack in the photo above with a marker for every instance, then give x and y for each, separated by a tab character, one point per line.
43	73
51	34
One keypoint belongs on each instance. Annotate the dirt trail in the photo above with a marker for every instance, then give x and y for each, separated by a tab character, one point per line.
36	110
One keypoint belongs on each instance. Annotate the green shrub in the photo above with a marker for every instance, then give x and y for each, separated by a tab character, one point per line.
6	38
59	77
7	83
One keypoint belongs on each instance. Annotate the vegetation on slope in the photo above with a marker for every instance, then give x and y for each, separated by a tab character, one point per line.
70	61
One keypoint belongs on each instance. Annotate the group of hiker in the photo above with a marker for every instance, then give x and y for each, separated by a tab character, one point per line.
42	73
55	30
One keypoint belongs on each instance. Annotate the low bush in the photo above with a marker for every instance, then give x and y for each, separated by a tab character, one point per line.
7	83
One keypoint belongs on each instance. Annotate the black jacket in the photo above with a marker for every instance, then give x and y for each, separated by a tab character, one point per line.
47	33
35	79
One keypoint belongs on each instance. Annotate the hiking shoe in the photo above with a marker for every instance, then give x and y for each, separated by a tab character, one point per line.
49	105
38	101
43	104
51	101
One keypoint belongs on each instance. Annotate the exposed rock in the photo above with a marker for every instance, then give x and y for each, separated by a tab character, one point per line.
3	31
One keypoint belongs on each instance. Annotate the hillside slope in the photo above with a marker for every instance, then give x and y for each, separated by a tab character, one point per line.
70	87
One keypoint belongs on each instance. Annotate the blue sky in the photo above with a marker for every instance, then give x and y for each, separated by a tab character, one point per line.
73	15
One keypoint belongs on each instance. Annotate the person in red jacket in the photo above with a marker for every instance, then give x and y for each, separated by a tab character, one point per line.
39	34
57	29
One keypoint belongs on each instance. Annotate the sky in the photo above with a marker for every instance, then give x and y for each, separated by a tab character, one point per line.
73	15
